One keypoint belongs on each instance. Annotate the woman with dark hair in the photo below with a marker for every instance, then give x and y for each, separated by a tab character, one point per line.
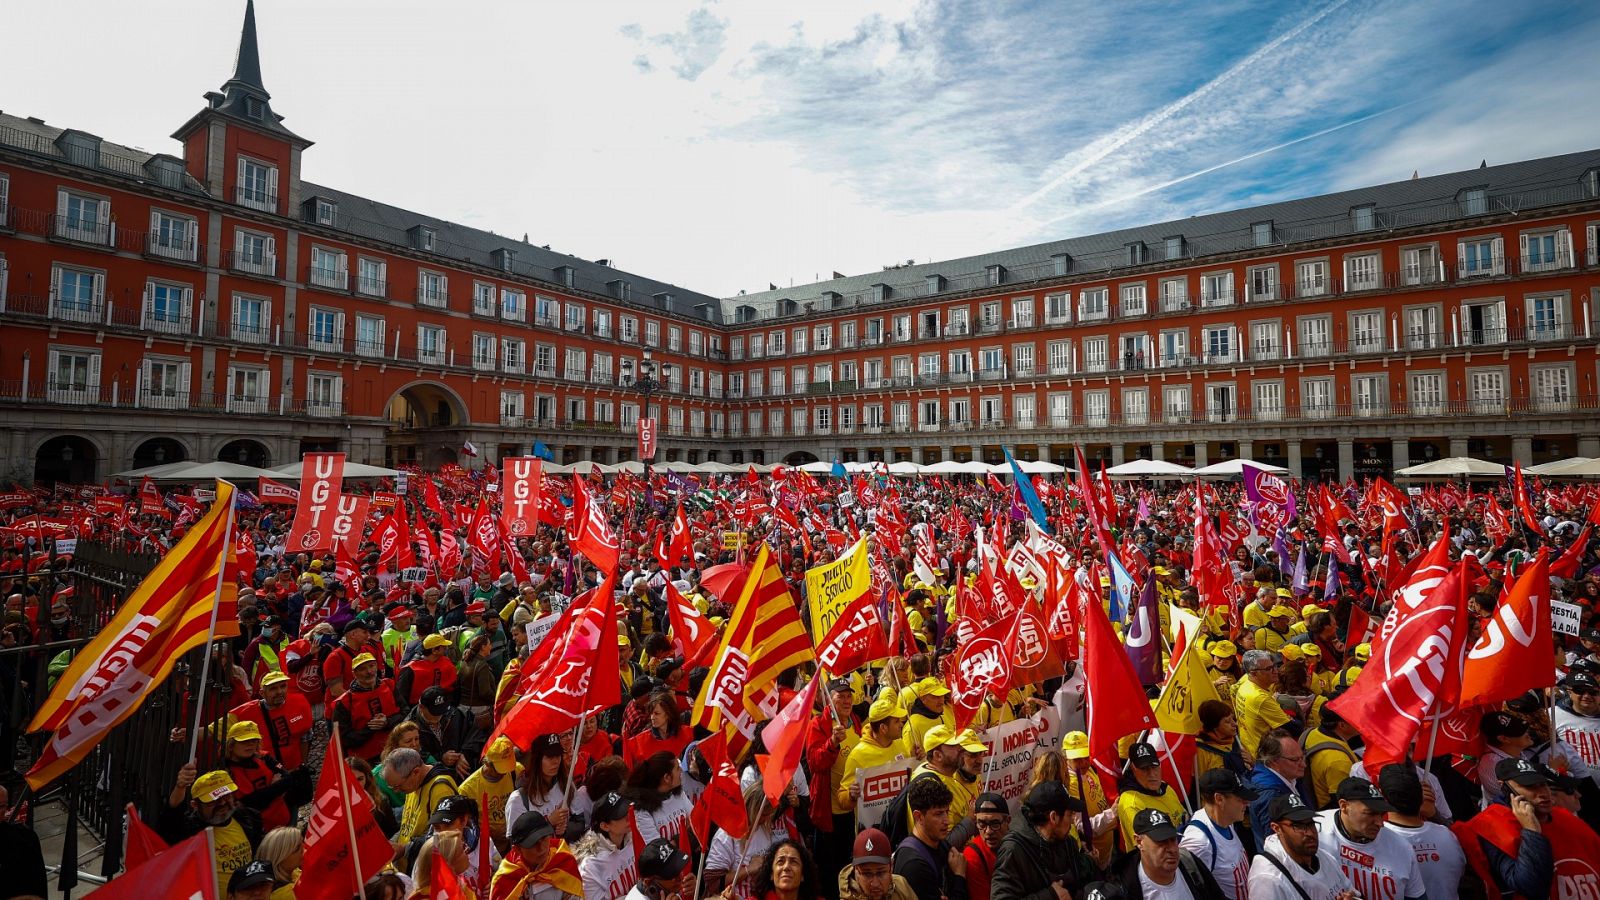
787	874
666	732
656	788
543	786
1217	746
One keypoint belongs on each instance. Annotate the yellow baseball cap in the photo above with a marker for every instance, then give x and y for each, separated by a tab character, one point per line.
937	737
931	686
1363	652
1075	745
361	660
1223	649
1280	612
1161	570
1290	652
1309	610
1285	592
969	741
244	731
212	786
435	640
886	707
272	678
501	755
1311	651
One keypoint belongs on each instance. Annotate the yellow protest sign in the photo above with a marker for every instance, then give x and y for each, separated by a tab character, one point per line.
733	540
832	587
1178	710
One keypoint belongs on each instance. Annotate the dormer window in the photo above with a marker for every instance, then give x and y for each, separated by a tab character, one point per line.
254	108
1475	201
503	258
1363	218
1175	247
327	212
421	238
1062	261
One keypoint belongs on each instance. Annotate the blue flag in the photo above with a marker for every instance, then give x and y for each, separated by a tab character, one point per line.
543	451
1029	495
1122	587
838	469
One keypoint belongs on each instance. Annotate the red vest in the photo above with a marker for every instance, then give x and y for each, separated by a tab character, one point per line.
281	728
256	775
362	706
427	673
1573	844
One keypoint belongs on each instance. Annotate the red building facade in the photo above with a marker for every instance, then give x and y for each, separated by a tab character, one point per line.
215	305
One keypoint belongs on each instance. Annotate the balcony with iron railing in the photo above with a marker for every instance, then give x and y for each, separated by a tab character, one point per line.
170	248
77	230
333	279
255	198
262	264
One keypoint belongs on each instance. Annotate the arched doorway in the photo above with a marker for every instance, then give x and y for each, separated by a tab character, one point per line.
799	458
426	404
245	452
68	459
159	451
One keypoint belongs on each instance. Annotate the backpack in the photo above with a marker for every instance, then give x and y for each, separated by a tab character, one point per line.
896	821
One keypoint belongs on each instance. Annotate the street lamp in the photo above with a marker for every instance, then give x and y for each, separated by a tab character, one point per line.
646	383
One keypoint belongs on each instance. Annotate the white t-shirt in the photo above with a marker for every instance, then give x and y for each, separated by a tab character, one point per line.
1384	869
609	874
517	804
1177	890
1439	856
724	853
668	821
1359	770
1268	883
1582	734
1222	853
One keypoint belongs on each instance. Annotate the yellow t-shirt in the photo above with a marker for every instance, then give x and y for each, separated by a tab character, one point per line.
1267	639
1328	762
477	787
420	805
864	755
1130	802
1094	797
1254	616
852	737
231	848
919	725
286	891
1257	712
962	792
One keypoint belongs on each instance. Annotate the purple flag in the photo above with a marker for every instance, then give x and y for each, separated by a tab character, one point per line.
1300	586
1272	502
1143	638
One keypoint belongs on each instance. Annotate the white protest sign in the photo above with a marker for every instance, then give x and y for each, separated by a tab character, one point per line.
401	482
1009	766
879	786
1566	616
65	546
540	628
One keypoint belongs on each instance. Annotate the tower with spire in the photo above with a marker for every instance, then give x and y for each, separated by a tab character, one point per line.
237	137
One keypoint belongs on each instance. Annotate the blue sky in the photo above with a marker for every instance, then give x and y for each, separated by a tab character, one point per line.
727	145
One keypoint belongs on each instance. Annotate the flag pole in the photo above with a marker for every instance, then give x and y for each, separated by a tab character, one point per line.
577	735
349	812
211	632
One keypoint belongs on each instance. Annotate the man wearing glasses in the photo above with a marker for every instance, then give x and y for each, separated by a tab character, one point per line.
1256	707
1280	771
1577	719
1291	866
991	818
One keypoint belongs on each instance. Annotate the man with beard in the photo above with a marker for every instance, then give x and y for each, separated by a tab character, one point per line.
1379	863
945	756
1291	866
212	802
1038	857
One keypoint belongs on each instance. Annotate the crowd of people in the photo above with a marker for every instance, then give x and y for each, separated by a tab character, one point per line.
411	672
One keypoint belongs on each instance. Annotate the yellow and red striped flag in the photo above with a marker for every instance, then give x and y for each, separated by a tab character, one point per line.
763	638
168	614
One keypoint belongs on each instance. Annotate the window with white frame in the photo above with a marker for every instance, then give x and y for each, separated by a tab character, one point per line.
902	415
697	343
758	383
630	414
165	383
960	413
960	321
927	415
84	218
513	305
1136	406
1483	322
324	393
1427	393
629	331
991	412
328	268
512	408
928	368
483	298
166	306
1265	341
1371	394
372	276
1421	265
483	350
369	335
1263	283
600	369
1175	404
252	318
991	363
797	377
847	334
546	311
254	252
1552	387
249	389
1022	312
1132	301
575	317
1316	397
1546	250
652	335
989	316
1316	335
736	347
821	337
1219	343
430	344
1096	354
1092	303
1480	257
433	288
1175	347
823	420
821	373
544	410
1423	331
576	411
780	381
675	339
697	382
325	329
1023	414
1545	316
326	212
697	422
1366	331
1022	360
1061	410
1174	294
513	355
1266	399
605	412
902	328
797	420
257	186
602	323
714	383
1060	357
1311	277
172	236
1097	408
1057	308
1487	390
79	294
576	364
1135	352
1216	289
74	376
1222	403
1361	272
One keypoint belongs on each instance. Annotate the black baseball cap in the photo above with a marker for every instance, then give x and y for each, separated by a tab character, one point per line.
840	684
610	808
530	828
355	623
1225	781
549	745
662	859
1526	704
1582	681
1502	725
1592	635
1360	790
252	874
1516	770
991	803
453	807
435	700
1051	796
1143	756
1402	787
1154	824
1586	665
1289	807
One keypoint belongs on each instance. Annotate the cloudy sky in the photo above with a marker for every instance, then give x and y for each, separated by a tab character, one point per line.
726	145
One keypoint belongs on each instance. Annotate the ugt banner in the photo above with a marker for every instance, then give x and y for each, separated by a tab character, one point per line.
524	476
647	439
321	481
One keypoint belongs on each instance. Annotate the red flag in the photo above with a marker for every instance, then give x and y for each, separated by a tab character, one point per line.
721	802
785	737
349	519
1115	700
425	543
1512	655
983	666
591	534
344	845
442	881
680	548
578	674
394	544
322	480
186	870
1362	628
270	491
449	553
1415	664
1567	566
346	570
485	866
150	497
142	842
694	639
1520	501
519	566
246	553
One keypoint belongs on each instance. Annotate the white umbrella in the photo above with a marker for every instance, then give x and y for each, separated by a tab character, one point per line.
948	467
210	471
1232	467
156	471
1149	468
351	470
1041	467
1452	467
904	468
817	468
1576	467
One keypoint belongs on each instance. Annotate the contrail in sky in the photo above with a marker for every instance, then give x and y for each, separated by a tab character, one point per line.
1131	133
